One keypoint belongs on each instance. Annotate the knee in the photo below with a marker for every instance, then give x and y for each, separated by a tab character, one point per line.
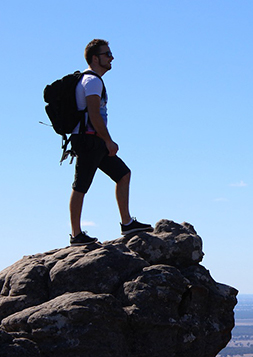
126	178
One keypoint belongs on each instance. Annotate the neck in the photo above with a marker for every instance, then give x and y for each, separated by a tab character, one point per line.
98	69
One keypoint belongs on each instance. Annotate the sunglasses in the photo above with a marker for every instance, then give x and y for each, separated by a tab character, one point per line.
107	53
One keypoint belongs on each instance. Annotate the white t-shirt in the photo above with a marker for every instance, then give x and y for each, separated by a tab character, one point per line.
90	85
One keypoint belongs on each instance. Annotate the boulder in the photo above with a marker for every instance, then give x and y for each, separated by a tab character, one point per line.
137	296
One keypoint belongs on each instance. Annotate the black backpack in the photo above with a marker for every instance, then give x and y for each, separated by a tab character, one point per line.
62	108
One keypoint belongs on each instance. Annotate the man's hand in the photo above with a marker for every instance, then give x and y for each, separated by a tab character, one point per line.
112	147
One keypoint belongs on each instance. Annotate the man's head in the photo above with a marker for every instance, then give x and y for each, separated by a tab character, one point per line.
98	53
93	48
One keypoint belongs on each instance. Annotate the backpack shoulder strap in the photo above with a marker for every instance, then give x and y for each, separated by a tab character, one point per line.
103	95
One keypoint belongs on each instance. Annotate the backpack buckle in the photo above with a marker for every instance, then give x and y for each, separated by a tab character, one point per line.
65	152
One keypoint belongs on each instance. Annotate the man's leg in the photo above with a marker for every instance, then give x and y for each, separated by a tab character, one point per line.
129	225
122	196
90	151
75	206
78	237
117	170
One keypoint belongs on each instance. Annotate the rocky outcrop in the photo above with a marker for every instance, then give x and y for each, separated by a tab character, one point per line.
144	295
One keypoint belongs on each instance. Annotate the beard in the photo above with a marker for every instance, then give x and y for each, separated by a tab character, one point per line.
106	66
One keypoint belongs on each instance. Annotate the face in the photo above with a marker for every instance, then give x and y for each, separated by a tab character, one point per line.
105	57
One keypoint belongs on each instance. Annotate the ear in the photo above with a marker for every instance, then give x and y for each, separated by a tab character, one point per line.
95	59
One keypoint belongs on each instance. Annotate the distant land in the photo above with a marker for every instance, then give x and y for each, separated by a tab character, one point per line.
241	344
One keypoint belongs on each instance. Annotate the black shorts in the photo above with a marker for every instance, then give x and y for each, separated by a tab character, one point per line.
92	154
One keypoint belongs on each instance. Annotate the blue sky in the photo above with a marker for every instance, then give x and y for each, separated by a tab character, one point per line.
180	108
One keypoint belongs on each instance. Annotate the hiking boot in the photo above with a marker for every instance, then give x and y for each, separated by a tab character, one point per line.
82	239
135	226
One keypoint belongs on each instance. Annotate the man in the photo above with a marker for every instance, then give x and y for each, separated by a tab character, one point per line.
94	146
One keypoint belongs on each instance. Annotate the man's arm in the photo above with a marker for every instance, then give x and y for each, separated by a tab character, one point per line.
93	105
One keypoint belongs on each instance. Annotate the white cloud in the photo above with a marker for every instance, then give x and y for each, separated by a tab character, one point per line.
88	223
239	184
221	199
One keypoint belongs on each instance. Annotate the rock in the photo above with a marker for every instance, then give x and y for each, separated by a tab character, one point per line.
102	270
137	296
67	325
171	243
17	347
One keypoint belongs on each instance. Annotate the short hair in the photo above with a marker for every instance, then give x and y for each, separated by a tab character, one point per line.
93	49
